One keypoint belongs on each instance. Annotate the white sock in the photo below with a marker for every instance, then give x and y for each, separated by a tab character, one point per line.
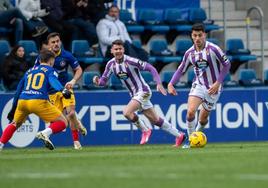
200	127
170	129
47	131
141	125
191	127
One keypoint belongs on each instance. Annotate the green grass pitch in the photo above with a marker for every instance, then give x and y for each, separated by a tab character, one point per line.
231	165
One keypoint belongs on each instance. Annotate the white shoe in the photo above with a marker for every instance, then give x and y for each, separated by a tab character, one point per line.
82	129
1	146
77	145
48	144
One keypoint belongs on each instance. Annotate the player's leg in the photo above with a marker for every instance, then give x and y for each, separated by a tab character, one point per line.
75	126
207	105
130	113
19	117
164	125
203	119
193	104
49	113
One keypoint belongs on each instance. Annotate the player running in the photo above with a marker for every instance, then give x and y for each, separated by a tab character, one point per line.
127	69
32	97
62	61
210	67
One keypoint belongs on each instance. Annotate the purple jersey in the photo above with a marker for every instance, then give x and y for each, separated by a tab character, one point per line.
129	74
207	64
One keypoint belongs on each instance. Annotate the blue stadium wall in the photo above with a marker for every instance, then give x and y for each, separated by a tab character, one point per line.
240	115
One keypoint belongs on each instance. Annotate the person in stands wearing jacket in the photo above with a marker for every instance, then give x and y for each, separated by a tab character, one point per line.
110	29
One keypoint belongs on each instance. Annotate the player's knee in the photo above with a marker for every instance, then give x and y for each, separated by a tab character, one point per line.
130	116
190	115
71	114
203	121
127	114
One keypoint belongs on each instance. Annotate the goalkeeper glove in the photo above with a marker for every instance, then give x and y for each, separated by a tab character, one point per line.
66	93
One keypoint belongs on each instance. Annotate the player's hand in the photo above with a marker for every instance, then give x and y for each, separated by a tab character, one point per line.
214	88
161	89
171	89
10	115
96	80
70	84
66	93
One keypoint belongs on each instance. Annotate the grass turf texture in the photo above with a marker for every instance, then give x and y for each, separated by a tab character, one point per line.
216	165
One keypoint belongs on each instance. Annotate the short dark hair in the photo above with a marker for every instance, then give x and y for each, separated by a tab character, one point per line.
118	42
46	55
51	35
198	27
113	6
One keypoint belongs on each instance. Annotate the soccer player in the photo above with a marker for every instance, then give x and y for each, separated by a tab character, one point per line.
210	67
127	69
62	61
32	97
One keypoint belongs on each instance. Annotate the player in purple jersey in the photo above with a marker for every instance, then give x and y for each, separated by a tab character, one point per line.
127	69
210	67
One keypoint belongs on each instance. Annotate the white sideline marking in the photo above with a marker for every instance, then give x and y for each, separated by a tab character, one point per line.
259	177
36	175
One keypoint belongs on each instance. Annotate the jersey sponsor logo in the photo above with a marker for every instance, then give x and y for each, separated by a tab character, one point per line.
122	75
202	63
24	135
63	63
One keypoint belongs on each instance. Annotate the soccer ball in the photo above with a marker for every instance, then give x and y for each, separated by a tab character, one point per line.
197	140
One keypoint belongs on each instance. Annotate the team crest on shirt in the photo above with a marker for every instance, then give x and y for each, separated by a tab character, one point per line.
62	63
201	63
122	75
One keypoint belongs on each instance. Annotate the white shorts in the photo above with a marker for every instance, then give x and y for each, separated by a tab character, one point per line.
209	101
144	99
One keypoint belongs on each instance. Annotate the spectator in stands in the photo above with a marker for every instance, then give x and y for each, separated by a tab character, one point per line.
73	14
12	17
54	20
110	29
95	10
31	9
14	67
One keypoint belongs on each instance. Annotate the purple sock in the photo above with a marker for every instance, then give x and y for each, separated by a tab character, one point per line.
160	122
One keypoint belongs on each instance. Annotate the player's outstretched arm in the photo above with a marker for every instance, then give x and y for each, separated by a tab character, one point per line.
96	80
77	75
161	89
171	89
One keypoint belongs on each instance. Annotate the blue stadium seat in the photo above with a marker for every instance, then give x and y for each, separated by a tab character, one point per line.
228	82
4	48
30	49
237	53
190	77
137	43
265	77
148	77
131	25
247	77
152	20
88	80
115	83
198	15
182	45
5	30
166	77
83	52
214	41
159	50
175	21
